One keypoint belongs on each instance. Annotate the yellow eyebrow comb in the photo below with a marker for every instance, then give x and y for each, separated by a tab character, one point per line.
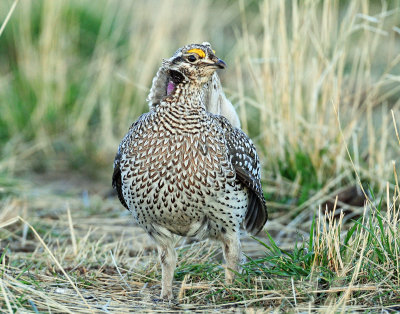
198	51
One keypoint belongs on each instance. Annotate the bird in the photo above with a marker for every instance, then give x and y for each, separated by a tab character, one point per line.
184	171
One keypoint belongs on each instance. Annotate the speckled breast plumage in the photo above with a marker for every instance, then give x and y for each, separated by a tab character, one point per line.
177	176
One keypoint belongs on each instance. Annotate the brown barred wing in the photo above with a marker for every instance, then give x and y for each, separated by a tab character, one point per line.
244	158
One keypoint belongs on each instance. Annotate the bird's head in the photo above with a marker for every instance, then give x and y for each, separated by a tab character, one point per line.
193	63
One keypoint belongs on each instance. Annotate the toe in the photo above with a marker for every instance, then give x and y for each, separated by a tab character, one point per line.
167	295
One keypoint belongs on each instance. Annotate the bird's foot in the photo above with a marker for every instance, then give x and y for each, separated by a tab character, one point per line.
229	277
166	295
230	274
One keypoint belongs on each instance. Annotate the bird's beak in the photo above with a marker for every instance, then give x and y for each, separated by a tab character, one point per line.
220	64
215	63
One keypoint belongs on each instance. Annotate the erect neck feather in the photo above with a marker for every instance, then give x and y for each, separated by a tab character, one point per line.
186	95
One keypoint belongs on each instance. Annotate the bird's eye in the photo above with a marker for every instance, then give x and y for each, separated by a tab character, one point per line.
191	58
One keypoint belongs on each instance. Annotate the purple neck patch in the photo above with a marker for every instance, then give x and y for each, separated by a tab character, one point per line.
170	87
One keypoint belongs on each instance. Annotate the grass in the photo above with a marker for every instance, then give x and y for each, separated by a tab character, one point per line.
316	86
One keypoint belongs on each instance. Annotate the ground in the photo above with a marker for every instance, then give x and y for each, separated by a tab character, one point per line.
76	248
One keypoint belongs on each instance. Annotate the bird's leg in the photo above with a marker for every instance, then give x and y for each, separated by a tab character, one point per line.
232	254
168	263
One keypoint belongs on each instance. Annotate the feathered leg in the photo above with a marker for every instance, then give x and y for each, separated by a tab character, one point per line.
167	256
232	254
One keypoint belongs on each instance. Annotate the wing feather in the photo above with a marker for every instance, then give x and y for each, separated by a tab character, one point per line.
122	149
246	163
116	179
